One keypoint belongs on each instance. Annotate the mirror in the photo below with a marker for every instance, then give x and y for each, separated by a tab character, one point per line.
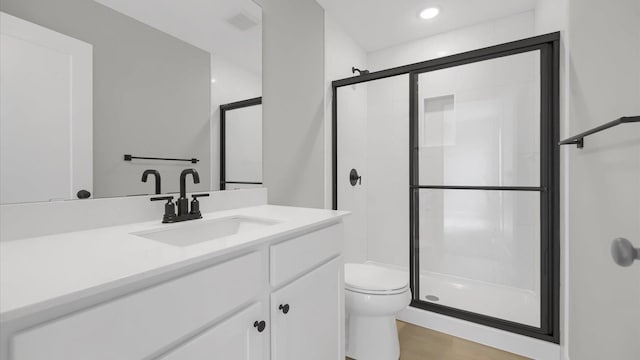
91	90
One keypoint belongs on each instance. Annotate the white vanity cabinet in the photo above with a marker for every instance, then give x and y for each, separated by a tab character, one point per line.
229	310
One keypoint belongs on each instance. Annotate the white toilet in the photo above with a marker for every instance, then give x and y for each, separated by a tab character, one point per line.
373	297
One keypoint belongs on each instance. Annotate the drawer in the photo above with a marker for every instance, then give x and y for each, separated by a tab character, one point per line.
292	258
140	324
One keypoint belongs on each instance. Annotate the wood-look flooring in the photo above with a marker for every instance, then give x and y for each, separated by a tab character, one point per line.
418	343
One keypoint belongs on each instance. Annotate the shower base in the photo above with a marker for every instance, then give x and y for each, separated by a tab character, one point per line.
499	301
503	302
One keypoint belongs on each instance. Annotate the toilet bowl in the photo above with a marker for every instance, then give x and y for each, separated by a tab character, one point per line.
373	297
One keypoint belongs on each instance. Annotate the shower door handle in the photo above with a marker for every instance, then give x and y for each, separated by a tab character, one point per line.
354	178
623	252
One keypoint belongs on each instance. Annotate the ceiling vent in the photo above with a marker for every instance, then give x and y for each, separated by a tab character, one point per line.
242	22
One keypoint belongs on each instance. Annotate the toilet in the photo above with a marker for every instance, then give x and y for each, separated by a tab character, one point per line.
373	296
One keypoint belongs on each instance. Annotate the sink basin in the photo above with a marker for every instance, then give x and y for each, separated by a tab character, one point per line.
195	232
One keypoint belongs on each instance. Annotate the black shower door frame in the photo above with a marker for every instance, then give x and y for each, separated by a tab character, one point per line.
549	47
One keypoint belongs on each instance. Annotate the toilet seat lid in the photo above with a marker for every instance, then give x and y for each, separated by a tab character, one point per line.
373	278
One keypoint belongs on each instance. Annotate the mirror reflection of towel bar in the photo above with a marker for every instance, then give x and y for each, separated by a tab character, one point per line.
129	157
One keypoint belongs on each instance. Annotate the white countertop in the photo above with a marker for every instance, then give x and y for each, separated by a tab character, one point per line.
42	272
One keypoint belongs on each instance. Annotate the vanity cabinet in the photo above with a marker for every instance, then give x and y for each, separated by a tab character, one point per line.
228	310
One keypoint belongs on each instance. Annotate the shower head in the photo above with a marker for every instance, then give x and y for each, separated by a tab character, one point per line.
360	72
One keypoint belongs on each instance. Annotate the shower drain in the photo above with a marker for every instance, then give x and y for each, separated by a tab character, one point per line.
432	298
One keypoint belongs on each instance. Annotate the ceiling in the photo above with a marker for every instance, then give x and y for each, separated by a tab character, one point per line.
377	24
203	23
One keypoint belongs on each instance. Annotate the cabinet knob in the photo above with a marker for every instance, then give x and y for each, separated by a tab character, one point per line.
284	308
260	325
83	194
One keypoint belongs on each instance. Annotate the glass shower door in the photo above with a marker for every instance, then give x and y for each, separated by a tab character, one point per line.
480	219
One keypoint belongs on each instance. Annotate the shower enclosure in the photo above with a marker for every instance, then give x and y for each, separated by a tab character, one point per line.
458	166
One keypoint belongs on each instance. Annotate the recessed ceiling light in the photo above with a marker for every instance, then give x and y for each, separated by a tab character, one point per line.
213	80
429	13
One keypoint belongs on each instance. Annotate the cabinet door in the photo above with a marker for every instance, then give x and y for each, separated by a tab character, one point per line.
311	328
235	338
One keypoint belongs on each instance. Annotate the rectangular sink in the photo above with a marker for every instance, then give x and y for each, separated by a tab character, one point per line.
198	231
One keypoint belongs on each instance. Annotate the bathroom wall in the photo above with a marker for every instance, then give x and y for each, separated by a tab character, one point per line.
293	102
603	179
147	85
232	83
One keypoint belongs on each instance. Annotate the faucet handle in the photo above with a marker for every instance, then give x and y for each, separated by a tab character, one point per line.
195	204
169	208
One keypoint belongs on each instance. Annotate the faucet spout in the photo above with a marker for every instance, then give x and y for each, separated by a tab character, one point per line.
183	180
156	174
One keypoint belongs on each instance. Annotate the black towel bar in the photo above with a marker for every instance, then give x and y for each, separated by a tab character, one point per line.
128	157
578	140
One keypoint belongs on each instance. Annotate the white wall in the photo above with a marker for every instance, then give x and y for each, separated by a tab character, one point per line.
232	83
293	102
603	179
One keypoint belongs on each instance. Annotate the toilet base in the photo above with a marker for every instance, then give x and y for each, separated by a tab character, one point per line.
372	338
